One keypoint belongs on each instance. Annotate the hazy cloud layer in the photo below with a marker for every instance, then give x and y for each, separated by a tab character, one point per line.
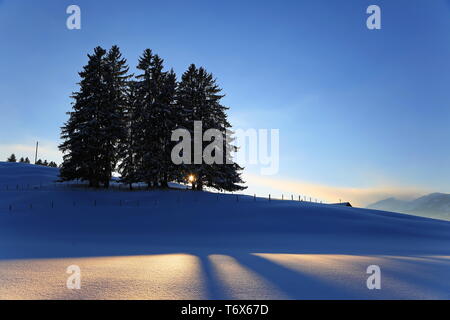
357	196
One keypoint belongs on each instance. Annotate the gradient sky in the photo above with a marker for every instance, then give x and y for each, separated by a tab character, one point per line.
363	114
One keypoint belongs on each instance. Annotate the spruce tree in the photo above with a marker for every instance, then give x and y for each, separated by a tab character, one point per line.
169	117
154	120
199	97
144	127
116	79
81	146
94	129
52	164
12	158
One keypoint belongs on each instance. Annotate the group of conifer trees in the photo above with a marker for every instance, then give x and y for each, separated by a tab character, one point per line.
121	122
39	162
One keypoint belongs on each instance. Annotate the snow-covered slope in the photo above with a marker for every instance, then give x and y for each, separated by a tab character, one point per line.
24	176
184	244
434	205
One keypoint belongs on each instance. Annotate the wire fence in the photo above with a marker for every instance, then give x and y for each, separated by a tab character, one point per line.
128	197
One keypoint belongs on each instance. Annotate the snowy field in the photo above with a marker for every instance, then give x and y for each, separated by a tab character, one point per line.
196	245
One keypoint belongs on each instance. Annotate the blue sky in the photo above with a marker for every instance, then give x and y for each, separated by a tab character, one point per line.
363	114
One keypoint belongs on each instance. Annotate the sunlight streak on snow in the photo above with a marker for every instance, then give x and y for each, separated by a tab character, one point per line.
165	276
240	282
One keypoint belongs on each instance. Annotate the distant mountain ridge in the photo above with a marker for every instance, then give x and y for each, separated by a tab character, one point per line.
434	205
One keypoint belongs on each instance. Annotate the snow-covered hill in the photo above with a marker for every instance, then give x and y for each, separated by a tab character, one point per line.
434	205
21	175
192	245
